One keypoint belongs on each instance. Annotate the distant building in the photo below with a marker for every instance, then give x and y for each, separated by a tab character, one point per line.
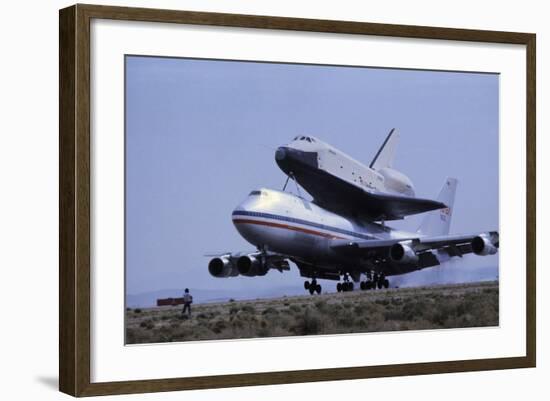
169	301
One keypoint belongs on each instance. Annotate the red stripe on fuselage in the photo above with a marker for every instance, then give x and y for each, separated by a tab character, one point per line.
285	226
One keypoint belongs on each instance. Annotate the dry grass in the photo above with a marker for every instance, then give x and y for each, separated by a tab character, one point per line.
440	307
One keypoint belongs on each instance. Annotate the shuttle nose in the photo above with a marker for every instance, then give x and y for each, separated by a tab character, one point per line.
281	153
289	159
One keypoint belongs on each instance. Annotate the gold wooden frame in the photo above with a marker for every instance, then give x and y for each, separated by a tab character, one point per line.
74	199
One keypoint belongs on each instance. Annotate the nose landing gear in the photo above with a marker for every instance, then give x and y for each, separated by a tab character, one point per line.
312	287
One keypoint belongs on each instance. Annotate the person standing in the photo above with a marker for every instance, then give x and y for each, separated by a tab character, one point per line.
187	301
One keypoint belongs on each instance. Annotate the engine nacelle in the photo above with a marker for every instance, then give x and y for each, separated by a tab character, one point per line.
402	253
222	267
482	245
250	265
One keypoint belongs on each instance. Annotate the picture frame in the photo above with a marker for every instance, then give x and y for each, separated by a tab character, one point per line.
75	198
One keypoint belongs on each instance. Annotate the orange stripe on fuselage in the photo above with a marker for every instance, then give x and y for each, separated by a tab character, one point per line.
285	226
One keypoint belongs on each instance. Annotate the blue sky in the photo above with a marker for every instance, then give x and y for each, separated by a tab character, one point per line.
200	134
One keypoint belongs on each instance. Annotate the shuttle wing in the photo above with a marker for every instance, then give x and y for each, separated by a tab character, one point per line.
340	196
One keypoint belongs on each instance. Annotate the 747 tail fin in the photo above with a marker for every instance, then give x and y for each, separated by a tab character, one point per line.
438	222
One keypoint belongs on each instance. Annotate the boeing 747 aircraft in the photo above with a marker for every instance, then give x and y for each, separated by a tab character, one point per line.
331	241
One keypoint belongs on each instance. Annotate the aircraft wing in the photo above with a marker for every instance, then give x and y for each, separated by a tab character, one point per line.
340	196
420	251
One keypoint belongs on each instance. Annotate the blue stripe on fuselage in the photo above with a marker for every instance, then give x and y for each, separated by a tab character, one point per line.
303	222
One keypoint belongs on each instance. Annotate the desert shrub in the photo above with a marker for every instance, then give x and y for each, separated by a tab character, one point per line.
334	308
231	300
130	336
414	309
308	323
383	302
358	310
294	308
148	324
321	305
218	326
234	310
270	310
346	318
137	310
237	324
264	332
396	315
248	309
396	301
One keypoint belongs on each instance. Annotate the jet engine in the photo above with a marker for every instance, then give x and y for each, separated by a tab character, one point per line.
402	253
482	245
222	267
250	265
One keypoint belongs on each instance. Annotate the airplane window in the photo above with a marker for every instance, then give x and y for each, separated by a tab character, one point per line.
303	138
253	193
308	139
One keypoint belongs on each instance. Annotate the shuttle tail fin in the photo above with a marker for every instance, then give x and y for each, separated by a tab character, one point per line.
438	222
384	156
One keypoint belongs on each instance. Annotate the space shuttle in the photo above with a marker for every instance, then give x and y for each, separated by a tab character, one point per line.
343	185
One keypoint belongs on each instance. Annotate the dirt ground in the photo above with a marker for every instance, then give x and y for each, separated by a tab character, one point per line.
436	307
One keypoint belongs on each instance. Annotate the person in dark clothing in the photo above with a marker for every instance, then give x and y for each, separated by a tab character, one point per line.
187	301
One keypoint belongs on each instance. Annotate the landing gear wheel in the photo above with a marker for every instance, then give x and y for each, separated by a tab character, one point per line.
380	283
306	285
363	285
386	283
318	288
368	285
311	289
339	287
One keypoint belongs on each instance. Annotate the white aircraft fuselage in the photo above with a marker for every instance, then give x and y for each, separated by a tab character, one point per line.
290	225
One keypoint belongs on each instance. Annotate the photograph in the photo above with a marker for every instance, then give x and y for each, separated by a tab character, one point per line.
270	199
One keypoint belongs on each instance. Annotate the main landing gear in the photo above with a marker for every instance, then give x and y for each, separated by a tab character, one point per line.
312	287
375	281
345	286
